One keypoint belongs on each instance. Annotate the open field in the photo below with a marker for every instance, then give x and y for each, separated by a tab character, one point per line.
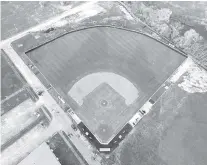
14	88
23	146
14	101
20	116
174	132
182	23
19	16
25	118
10	82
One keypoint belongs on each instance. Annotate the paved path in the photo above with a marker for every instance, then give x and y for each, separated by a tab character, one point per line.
48	23
60	120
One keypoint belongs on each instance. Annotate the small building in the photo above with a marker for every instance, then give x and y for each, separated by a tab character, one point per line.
104	149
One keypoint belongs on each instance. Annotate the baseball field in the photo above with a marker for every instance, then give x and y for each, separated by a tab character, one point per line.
145	62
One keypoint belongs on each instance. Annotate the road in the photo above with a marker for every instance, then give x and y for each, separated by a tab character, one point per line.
47	23
60	120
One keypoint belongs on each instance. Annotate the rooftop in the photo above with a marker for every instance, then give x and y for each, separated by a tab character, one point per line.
40	156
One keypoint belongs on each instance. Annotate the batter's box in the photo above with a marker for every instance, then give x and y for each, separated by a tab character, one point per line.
104	112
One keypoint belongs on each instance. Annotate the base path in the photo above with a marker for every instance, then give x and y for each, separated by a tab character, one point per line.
88	83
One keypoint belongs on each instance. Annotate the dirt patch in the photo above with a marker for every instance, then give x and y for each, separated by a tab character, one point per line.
88	83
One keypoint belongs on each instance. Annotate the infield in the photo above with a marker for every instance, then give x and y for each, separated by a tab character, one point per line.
103	111
88	83
104	100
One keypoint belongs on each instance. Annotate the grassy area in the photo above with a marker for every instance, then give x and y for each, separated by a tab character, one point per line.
10	82
14	101
21	115
19	16
23	146
183	23
74	55
174	132
62	151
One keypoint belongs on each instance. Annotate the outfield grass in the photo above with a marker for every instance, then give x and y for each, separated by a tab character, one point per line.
68	58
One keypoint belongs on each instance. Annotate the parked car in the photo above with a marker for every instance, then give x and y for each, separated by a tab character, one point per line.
74	127
40	93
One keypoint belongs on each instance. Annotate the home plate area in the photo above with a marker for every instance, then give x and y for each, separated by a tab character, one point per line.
104	110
